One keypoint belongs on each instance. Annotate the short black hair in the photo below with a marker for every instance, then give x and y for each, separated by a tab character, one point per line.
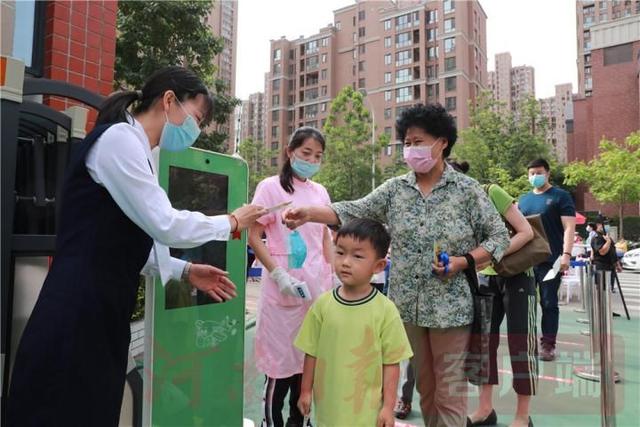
537	163
592	224
433	119
364	229
462	167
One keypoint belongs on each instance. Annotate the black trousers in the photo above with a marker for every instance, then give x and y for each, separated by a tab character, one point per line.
275	391
515	297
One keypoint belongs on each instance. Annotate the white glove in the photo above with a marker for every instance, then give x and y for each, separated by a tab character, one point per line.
290	285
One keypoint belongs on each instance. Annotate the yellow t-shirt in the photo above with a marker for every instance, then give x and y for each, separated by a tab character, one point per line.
351	340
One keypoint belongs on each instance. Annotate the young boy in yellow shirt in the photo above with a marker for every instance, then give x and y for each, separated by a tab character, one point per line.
353	338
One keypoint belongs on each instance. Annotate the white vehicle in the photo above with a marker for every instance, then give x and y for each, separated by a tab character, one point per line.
631	260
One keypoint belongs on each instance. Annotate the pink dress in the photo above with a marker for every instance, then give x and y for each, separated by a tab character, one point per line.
280	316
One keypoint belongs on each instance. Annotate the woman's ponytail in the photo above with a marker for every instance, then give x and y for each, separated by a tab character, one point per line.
114	108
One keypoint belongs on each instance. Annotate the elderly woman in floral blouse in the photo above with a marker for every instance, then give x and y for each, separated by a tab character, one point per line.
433	205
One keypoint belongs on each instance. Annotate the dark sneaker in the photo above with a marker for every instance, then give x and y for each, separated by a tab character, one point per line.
403	409
547	352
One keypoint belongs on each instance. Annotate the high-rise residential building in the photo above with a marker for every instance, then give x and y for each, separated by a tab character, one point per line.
589	13
523	85
612	109
558	110
502	85
223	21
252	123
397	53
511	85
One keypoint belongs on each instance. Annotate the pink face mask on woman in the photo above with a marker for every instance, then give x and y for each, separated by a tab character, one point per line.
419	158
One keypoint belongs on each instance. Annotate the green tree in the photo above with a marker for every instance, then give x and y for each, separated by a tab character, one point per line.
157	34
397	166
498	144
346	170
258	157
613	176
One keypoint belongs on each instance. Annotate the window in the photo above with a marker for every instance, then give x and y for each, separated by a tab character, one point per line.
312	47
275	85
355	53
618	54
588	83
354	21
361	15
277	68
403	39
449	6
274	131
403	57
387	77
450	103
449	44
387	95
324	58
361	83
338	25
432	91
361	32
361	66
431	72
449	25
275	115
403	75
310	111
432	16
324	42
587	71
387	42
432	53
274	145
26	40
387	59
362	48
403	22
387	24
275	100
450	63
587	58
274	161
388	150
312	62
323	75
450	84
403	94
432	34
292	84
277	54
323	90
387	130
292	68
387	113
323	107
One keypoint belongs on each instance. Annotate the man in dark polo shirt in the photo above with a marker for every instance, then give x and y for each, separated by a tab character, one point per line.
558	214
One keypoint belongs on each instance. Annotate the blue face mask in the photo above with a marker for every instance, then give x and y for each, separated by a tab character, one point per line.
304	169
297	250
537	180
606	229
179	137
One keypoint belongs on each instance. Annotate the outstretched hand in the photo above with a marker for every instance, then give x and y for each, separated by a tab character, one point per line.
295	217
212	281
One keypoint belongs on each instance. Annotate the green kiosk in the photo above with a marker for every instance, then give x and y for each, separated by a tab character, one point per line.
194	347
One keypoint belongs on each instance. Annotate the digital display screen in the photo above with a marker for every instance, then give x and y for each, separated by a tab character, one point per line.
202	192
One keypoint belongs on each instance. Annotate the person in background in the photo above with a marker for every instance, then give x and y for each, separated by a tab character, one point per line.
603	249
353	337
558	214
515	298
289	285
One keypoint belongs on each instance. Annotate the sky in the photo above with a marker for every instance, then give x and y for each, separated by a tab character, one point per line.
540	33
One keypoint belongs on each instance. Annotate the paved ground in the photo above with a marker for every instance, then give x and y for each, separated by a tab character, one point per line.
563	399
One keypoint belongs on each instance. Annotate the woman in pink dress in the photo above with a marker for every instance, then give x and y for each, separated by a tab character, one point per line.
291	281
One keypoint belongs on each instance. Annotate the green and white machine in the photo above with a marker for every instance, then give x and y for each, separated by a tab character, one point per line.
194	347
